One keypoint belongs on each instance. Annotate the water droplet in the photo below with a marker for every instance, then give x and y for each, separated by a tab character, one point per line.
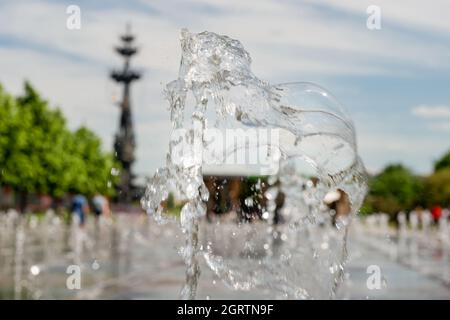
334	268
95	265
35	270
384	282
324	245
115	171
315	254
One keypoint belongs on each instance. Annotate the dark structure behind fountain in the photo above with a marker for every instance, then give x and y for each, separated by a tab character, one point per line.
229	194
124	144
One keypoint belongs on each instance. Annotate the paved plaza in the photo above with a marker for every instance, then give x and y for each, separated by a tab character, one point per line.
139	260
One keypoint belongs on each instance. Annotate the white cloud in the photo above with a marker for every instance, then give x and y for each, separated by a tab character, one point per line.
441	127
431	112
412	14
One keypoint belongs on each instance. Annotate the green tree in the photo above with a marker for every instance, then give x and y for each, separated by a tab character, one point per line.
20	165
46	135
437	188
39	154
91	167
443	163
396	188
8	118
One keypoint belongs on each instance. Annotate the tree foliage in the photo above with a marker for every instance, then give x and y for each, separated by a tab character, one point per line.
437	185
39	154
443	163
396	188
437	188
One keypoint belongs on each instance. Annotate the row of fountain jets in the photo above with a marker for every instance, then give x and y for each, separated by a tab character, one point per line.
419	242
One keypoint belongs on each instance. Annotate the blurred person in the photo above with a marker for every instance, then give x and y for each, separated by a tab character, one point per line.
339	202
445	213
45	202
436	212
100	206
80	208
419	211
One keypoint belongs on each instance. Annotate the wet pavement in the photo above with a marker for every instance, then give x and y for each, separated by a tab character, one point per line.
139	260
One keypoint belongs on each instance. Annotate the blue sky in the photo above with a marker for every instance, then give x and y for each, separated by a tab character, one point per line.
395	82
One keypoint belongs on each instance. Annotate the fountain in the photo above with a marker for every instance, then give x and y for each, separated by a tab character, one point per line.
444	235
315	154
426	220
402	235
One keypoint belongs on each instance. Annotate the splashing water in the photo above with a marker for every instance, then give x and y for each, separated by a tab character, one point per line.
304	256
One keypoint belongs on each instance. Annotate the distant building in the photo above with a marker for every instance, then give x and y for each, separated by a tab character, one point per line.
239	191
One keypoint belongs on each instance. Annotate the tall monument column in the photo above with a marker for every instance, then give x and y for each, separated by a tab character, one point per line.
124	143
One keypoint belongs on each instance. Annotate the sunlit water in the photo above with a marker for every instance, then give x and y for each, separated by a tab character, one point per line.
305	256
